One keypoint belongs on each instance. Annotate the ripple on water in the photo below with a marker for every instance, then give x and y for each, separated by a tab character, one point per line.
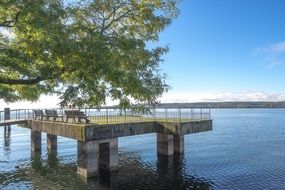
245	150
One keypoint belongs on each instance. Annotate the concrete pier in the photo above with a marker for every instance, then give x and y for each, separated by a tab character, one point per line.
178	143
7	114
87	158
108	154
93	155
97	142
36	143
97	145
165	144
52	144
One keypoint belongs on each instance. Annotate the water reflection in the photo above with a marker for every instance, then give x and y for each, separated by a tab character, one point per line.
7	139
105	180
52	159
165	173
170	171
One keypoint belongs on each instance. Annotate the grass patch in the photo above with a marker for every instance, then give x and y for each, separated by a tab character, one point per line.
117	119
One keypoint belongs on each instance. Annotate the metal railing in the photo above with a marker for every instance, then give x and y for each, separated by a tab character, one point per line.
115	115
109	115
15	114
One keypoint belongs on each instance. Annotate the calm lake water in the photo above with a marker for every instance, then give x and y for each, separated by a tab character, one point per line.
245	150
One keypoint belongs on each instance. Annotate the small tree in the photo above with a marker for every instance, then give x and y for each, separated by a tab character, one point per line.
84	51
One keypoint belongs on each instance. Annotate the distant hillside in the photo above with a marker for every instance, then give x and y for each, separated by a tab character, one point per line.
225	105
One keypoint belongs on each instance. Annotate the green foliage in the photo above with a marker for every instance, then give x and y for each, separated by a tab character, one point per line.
84	51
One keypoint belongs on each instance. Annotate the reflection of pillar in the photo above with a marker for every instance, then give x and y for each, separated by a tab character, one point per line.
170	168
52	144
108	154
178	143
107	180
7	137
7	128
178	165
165	144
36	143
87	165
164	166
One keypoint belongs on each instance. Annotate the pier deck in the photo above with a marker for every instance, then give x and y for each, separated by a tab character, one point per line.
13	122
89	132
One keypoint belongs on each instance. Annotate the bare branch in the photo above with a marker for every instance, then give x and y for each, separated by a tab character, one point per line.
33	81
10	23
23	81
7	23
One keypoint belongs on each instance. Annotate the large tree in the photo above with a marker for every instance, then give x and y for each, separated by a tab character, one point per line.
84	51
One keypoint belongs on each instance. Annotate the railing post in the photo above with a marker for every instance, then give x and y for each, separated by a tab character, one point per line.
179	115
209	113
166	114
125	115
6	114
107	115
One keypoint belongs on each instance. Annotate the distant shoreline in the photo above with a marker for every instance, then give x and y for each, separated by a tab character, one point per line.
224	105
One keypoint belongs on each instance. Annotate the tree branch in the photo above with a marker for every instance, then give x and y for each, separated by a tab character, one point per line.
33	81
23	81
9	23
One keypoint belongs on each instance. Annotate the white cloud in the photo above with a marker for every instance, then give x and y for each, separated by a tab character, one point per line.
183	97
272	54
170	97
275	48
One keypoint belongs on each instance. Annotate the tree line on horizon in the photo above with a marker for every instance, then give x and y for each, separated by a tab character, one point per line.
226	105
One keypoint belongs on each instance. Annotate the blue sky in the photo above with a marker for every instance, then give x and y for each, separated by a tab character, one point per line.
226	48
222	50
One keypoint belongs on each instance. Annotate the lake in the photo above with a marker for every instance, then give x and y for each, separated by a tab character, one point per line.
245	150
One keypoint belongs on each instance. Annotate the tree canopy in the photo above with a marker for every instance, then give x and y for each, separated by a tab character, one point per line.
83	51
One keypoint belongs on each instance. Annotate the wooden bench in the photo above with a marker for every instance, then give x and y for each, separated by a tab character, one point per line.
39	113
53	114
75	113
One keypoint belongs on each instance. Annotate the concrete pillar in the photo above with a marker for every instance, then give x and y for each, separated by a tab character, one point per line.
87	158
36	143
179	144
165	144
7	128
108	154
52	144
52	150
7	114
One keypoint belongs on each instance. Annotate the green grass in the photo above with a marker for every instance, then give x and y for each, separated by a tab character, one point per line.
117	119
